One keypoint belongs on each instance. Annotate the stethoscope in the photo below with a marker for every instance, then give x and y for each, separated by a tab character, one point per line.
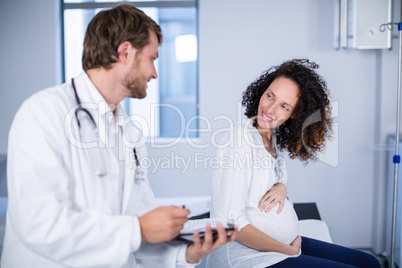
88	132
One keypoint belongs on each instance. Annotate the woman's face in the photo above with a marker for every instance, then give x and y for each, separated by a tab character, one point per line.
277	103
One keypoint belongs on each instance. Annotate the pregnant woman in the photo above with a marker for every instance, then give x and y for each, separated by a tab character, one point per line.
288	110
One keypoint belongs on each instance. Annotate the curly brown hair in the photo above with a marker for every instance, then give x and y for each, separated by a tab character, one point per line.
109	28
304	134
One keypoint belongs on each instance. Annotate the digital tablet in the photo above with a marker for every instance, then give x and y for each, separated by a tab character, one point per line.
186	234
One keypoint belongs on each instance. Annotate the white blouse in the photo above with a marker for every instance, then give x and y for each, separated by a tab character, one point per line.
246	172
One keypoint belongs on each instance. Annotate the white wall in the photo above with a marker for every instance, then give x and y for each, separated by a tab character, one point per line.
238	40
28	63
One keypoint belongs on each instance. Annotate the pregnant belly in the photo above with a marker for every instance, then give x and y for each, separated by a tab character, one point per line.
283	227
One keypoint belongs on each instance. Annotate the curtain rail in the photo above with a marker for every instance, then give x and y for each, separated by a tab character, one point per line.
92	5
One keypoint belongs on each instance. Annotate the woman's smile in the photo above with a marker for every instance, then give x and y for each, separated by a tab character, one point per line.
266	118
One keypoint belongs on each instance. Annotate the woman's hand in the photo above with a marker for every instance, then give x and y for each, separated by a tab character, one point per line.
295	246
202	247
276	194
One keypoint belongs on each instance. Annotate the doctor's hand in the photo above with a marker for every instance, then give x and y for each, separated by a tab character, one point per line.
276	194
201	247
162	224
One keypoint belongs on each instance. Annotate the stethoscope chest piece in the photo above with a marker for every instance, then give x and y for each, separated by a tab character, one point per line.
139	176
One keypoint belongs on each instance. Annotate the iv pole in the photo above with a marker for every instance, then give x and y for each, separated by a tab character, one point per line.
397	158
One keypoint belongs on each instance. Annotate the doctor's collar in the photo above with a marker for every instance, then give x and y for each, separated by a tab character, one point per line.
92	95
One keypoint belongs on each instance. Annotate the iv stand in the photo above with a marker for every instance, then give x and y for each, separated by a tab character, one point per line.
397	158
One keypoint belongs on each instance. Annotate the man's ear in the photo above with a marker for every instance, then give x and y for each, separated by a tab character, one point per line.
124	49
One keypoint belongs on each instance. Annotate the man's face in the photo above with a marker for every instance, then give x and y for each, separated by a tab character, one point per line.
142	69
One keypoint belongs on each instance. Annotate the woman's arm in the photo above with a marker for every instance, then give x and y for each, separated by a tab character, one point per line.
256	239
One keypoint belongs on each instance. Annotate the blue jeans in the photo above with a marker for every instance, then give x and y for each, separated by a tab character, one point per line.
316	253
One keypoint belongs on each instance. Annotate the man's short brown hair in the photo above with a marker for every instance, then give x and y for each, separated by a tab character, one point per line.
109	28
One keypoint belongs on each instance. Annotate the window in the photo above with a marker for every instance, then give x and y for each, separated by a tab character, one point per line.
172	101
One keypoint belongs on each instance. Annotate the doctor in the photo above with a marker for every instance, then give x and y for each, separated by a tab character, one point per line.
78	196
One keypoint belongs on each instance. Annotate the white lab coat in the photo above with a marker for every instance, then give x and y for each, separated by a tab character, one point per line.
60	214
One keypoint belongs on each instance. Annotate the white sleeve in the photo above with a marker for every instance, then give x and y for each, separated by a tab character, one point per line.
136	237
231	181
167	255
40	209
181	258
